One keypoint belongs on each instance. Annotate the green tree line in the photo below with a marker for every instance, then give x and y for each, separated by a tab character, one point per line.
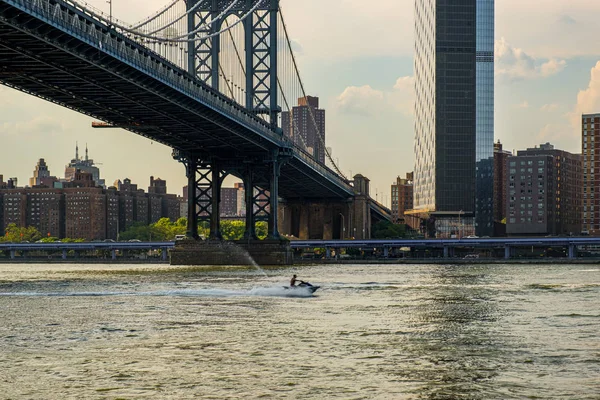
164	229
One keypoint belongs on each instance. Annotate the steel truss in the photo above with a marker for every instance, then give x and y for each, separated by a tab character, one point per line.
261	183
260	45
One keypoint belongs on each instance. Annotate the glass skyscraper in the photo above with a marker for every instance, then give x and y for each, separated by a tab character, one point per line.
454	113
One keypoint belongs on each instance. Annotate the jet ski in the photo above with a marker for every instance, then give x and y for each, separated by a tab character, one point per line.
303	286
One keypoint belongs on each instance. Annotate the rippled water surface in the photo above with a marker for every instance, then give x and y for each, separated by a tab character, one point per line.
370	332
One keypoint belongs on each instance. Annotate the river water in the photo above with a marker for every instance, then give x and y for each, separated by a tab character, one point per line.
370	332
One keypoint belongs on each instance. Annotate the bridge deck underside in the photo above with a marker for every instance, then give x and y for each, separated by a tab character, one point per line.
46	62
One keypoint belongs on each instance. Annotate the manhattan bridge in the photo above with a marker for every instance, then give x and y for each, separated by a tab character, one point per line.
210	79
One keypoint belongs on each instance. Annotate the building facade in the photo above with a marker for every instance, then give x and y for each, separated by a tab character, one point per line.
305	124
84	165
454	52
81	210
544	192
40	173
500	187
402	197
85	213
590	149
45	211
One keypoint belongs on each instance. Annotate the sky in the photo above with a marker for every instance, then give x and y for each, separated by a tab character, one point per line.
359	61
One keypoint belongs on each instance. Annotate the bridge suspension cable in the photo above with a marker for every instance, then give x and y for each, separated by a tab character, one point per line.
310	110
148	20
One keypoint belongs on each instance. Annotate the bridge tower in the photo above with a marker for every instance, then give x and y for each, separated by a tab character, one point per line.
260	172
260	44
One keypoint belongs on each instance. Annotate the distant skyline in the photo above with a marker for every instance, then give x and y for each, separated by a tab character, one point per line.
359	61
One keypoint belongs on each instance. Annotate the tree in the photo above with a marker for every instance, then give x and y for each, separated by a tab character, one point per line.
13	233
388	230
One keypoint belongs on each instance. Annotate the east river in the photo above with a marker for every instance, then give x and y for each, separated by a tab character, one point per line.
370	332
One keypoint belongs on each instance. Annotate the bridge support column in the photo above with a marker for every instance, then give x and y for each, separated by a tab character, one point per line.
386	252
215	215
165	253
113	254
12	254
64	254
328	253
250	231
192	214
360	220
507	251
572	251
446	252
275	169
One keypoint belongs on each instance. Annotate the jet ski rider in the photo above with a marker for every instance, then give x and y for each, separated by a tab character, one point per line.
293	281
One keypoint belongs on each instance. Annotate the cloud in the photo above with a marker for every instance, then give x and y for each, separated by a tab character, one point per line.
550	107
366	101
554	133
403	95
41	125
363	100
588	100
524	104
567	20
513	63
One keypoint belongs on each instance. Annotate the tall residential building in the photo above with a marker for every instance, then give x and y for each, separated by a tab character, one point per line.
500	184
84	165
45	211
229	202
299	125
15	207
85	213
454	113
157	186
39	173
402	197
590	143
544	192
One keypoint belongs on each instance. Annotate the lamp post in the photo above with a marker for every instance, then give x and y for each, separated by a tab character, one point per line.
343	226
110	11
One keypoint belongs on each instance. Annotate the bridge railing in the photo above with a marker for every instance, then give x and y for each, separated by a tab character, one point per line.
71	17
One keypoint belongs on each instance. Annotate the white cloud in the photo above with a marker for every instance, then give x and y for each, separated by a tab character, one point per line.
524	104
550	107
554	133
40	125
363	100
588	100
513	63
403	95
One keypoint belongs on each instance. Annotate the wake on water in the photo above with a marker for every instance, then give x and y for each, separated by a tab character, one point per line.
275	291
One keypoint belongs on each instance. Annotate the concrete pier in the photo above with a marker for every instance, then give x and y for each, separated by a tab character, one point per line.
244	252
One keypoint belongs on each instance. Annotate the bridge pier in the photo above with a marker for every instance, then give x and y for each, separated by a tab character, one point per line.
572	251
308	220
507	252
261	180
64	254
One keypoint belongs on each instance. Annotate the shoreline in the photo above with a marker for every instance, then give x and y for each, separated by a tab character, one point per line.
399	261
